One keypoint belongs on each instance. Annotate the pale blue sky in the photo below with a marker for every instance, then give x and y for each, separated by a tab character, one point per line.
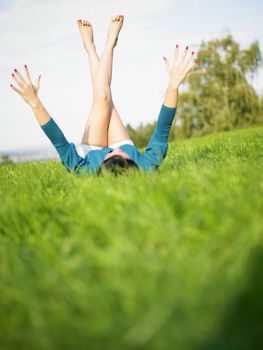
44	35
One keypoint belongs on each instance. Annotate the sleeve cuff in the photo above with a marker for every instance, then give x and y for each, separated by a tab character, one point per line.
169	108
50	122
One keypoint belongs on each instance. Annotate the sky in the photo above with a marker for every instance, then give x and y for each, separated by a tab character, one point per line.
44	35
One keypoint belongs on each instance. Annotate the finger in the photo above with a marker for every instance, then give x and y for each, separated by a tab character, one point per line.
189	60
17	81
19	77
191	66
176	53
38	82
167	64
15	89
27	74
185	53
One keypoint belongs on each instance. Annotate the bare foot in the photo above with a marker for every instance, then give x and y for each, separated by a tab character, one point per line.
86	32
114	29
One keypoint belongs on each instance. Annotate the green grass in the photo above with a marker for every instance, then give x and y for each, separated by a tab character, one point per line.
165	260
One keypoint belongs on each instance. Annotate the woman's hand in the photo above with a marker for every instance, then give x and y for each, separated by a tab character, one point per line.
25	87
180	67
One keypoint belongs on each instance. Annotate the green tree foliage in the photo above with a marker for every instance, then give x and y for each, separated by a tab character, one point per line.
218	95
141	135
5	159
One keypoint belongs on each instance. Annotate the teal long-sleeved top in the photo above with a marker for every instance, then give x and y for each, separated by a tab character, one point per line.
150	159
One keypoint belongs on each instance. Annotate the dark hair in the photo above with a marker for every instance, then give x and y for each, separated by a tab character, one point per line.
118	165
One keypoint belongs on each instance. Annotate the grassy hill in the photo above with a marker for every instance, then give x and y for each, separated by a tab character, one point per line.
166	260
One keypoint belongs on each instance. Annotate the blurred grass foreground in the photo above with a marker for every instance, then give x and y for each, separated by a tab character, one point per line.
166	260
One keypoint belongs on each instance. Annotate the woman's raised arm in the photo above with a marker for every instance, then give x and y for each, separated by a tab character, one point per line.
177	73
157	147
29	92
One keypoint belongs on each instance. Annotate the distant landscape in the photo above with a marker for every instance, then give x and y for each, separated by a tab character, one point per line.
30	154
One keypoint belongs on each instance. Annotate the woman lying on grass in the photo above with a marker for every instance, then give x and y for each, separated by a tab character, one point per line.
106	143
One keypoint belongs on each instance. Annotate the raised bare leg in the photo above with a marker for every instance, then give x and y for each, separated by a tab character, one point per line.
116	130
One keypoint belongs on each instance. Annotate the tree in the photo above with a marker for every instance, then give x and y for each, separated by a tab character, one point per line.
142	134
219	96
5	159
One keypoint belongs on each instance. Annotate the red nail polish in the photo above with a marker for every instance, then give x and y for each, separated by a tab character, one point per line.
196	62
177	46
193	52
15	70
187	48
13	75
25	66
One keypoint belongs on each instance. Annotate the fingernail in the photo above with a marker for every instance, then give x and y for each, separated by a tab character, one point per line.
25	66
11	85
187	48
196	62
193	52
15	70
177	46
13	75
164	58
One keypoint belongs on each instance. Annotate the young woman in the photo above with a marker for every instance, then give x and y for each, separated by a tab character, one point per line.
106	143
